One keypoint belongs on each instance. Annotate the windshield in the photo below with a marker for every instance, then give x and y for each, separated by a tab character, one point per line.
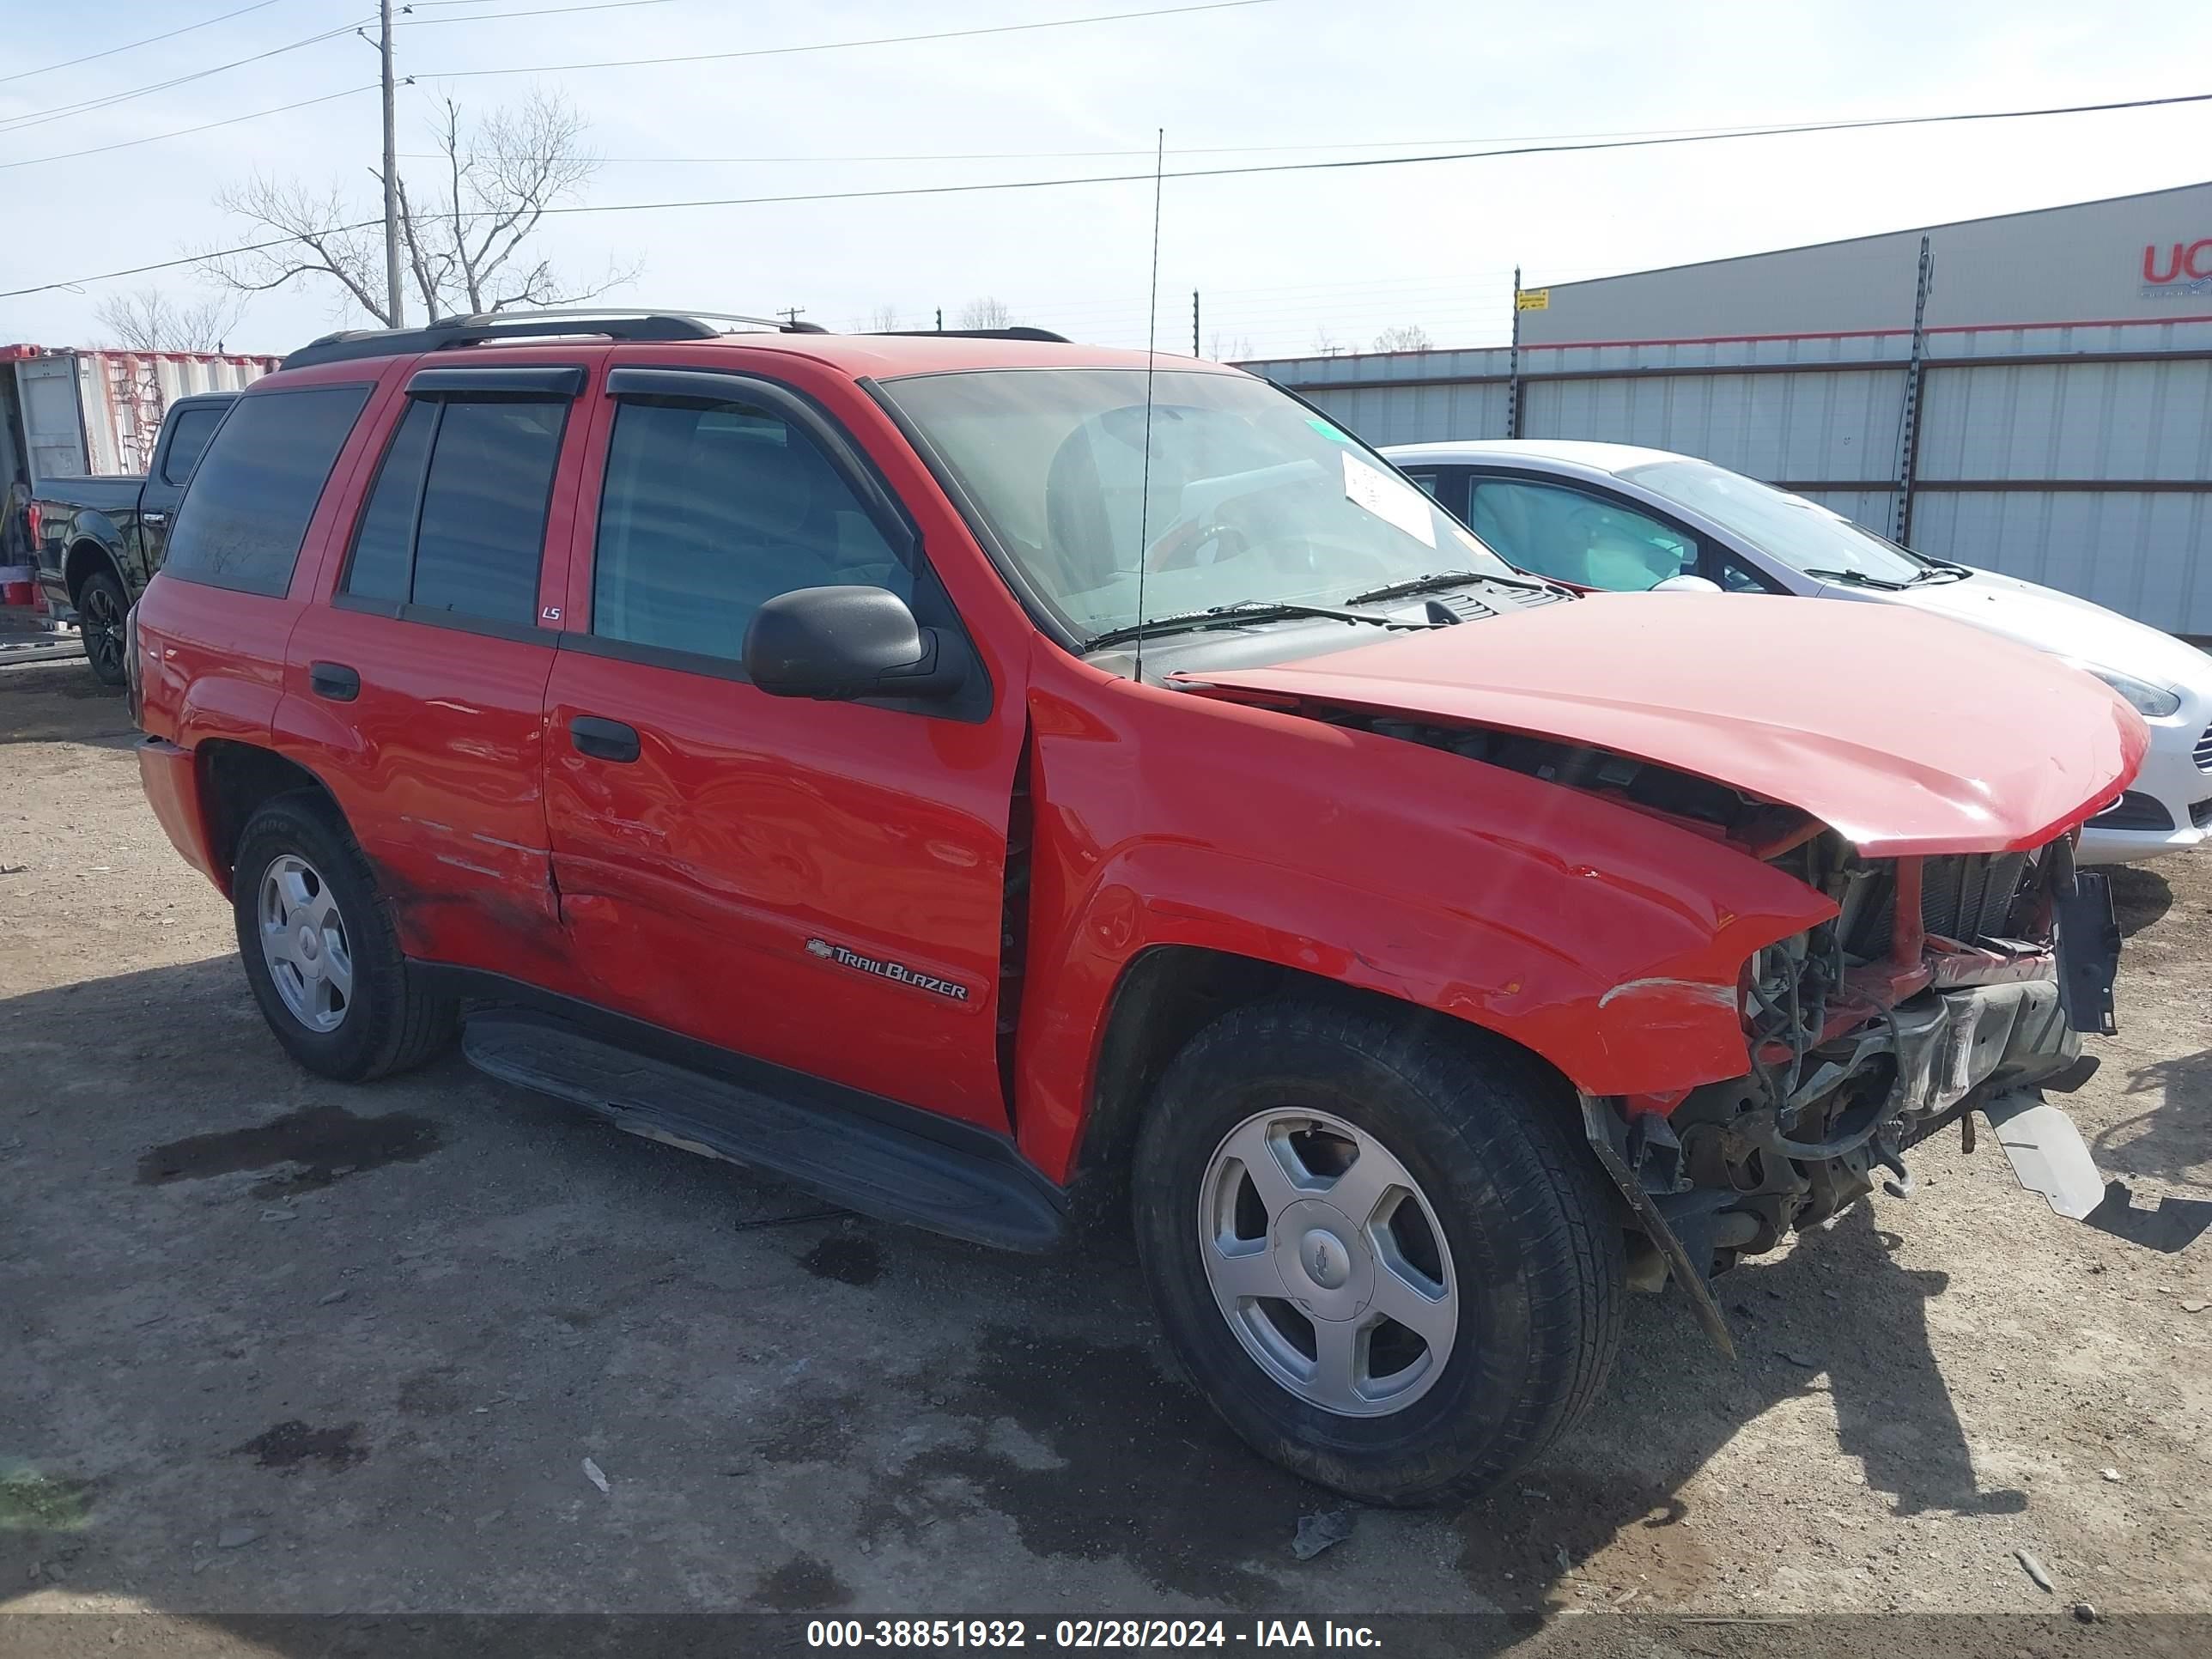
1252	498
1801	533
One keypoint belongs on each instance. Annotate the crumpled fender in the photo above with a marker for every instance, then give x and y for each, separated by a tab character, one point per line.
1603	939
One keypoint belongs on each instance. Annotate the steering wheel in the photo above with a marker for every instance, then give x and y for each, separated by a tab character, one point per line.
1179	545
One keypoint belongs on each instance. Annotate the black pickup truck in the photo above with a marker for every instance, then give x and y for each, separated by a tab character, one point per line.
97	542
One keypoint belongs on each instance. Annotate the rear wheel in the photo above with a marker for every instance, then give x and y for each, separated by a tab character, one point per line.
100	609
319	949
1376	1247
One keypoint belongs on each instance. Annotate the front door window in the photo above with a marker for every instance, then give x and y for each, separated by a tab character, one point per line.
1575	536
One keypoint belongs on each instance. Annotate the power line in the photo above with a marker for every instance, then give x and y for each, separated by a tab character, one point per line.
540	11
877	40
181	132
1195	149
40	116
111	52
1790	130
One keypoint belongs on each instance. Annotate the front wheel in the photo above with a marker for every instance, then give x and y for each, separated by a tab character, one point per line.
100	609
1378	1247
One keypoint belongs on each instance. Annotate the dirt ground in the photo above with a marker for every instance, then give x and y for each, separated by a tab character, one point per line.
269	1345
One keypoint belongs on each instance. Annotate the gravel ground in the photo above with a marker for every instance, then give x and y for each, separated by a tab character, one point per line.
277	1346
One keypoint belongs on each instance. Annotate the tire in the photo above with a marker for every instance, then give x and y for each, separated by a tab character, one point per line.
386	1021
1521	1230
101	606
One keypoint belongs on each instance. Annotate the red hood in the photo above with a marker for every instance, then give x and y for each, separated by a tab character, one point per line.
1907	733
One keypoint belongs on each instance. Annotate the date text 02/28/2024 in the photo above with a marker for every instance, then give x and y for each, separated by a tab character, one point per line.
1084	1634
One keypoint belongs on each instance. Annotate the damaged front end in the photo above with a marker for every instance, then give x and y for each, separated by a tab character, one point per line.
1945	985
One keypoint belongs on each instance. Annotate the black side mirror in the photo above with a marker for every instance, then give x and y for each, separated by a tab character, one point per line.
840	644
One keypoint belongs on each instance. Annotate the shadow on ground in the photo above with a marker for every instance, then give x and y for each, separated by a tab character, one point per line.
2141	896
1033	1396
2167	1136
62	702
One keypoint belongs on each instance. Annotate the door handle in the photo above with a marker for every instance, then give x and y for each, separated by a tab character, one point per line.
607	740
334	680
155	518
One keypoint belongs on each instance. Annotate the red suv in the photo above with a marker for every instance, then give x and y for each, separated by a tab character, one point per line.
998	783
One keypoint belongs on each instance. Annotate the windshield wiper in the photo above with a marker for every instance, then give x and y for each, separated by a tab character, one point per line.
1856	579
1442	579
1245	611
1938	571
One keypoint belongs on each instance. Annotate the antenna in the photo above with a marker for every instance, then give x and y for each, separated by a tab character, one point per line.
1151	339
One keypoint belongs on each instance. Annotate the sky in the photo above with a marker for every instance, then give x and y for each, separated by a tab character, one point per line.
1282	264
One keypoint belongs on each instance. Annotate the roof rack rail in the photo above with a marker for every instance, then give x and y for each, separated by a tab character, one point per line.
614	323
1018	332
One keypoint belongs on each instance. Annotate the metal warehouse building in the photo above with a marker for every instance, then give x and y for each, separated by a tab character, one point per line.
2032	393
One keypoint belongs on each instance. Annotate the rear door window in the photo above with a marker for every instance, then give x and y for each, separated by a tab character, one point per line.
456	521
254	492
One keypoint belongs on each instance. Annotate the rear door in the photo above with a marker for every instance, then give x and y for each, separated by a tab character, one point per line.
417	690
818	886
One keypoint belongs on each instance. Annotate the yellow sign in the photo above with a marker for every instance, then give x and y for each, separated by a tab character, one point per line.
1532	299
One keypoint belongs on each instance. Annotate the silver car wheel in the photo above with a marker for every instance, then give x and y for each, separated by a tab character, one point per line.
1327	1260
303	941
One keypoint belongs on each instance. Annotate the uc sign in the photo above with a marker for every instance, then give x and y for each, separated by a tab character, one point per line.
2190	262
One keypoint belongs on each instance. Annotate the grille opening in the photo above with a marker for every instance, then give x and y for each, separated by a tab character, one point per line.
2134	811
1963	896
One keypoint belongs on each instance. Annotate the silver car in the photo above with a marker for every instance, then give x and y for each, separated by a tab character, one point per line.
1616	517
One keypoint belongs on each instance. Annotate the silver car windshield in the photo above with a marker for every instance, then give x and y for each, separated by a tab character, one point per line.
1250	498
1802	534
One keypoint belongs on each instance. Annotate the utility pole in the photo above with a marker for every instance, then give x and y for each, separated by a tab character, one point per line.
1513	365
1908	425
940	320
1194	323
394	302
791	314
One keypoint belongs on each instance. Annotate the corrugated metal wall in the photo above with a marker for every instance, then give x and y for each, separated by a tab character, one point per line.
2075	455
100	412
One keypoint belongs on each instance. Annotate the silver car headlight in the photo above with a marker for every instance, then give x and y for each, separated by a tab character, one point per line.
2151	701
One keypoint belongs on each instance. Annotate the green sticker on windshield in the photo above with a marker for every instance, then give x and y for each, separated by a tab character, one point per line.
1326	430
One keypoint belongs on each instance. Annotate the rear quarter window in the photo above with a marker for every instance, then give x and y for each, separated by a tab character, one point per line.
241	523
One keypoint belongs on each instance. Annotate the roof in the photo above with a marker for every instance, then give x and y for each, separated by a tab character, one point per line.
877	356
885	356
1597	456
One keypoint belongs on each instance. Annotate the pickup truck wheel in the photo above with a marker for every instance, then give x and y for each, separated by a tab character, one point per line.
100	609
1377	1247
319	949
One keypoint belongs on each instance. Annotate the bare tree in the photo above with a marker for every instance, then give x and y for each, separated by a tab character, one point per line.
1405	336
986	313
465	241
1231	349
885	320
1325	344
148	319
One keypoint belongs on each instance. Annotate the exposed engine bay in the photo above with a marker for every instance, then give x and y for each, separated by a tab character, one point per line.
1940	987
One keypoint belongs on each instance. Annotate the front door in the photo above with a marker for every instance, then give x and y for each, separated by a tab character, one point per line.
818	886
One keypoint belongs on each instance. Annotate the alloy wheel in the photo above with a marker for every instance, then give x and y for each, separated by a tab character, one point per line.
304	943
1327	1261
